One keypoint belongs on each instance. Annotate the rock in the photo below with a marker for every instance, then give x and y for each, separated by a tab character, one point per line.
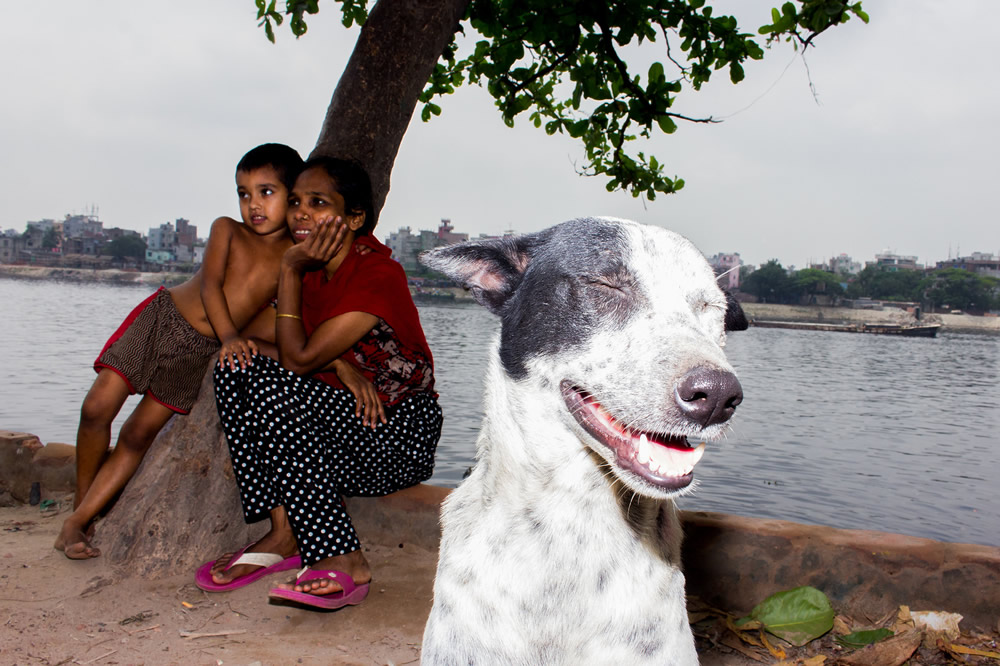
182	506
54	466
17	451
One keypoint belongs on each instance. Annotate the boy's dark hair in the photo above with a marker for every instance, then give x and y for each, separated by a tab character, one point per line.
351	182
286	161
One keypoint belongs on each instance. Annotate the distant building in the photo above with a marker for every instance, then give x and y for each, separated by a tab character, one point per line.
727	268
978	262
446	234
10	247
889	261
82	226
842	264
407	246
187	233
167	244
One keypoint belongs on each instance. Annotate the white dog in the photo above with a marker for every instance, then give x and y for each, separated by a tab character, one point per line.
563	545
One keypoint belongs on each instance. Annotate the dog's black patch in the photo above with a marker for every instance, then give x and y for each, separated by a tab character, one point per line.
577	281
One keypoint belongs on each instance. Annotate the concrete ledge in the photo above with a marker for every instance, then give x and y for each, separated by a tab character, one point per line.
409	516
25	460
733	562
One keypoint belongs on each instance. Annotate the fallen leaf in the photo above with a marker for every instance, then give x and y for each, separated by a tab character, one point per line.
841	625
776	652
904	622
938	623
798	615
859	639
890	652
973	651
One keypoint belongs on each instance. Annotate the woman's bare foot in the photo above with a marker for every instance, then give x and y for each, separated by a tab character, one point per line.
74	540
277	541
353	564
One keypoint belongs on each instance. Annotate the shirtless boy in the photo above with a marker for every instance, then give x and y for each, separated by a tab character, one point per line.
163	347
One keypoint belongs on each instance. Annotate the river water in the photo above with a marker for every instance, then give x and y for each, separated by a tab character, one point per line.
855	431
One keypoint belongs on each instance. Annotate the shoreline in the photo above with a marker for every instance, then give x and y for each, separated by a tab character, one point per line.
456	295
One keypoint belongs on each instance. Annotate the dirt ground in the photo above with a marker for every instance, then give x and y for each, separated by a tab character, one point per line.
55	611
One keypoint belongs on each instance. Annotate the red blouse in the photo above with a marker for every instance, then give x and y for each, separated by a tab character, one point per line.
394	355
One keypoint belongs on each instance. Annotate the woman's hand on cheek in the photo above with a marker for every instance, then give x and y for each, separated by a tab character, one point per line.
328	238
319	247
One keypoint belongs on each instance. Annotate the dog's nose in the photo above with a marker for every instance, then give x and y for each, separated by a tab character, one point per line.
709	395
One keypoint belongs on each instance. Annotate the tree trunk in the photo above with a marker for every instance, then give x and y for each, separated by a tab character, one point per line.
379	89
182	507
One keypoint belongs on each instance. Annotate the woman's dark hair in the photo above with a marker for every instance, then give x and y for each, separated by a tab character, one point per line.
351	182
285	161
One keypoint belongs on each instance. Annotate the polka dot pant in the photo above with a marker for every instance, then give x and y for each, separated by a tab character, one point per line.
295	442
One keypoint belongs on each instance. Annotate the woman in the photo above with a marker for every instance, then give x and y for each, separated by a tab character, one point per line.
349	410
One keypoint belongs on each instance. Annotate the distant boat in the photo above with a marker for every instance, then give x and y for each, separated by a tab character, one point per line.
908	330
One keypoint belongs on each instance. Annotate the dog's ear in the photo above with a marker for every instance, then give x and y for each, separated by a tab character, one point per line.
736	319
491	268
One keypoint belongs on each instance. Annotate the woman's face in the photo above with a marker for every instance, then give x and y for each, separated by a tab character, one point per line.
314	198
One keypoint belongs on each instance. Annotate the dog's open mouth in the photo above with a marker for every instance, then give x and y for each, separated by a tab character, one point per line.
666	461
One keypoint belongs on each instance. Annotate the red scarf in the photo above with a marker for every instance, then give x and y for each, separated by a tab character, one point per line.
373	283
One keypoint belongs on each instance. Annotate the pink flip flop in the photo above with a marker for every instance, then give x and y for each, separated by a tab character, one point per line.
269	563
350	596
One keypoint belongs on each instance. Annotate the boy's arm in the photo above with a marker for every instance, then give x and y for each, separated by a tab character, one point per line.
213	275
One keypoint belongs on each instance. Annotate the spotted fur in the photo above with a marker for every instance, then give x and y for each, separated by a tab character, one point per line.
550	554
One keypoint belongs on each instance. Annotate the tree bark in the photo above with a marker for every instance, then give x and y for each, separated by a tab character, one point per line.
182	507
379	89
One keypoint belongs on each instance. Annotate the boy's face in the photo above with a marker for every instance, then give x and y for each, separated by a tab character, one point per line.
263	200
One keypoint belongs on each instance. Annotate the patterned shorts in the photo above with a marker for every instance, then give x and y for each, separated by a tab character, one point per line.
158	353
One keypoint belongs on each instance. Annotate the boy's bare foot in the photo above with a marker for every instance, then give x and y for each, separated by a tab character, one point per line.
278	542
74	541
353	564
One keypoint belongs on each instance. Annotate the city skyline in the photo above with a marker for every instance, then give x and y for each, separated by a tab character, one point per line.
144	113
384	234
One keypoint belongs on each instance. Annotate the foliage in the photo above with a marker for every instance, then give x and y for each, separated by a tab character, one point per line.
859	639
126	246
814	281
770	283
961	289
798	615
901	285
563	63
51	239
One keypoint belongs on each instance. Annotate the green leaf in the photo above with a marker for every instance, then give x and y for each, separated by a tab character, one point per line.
655	72
798	615
667	124
859	639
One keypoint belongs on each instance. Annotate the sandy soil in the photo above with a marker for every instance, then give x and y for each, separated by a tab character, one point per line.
57	611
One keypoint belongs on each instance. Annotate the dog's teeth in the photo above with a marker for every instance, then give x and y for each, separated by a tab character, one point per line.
697	454
643	449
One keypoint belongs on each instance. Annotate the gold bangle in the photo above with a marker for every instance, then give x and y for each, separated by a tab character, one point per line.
292	316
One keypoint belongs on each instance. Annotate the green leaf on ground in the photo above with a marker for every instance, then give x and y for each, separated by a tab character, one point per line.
798	615
859	639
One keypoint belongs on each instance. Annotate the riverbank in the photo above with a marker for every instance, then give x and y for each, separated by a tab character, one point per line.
105	276
830	315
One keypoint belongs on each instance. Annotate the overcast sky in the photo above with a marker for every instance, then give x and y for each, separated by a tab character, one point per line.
142	109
